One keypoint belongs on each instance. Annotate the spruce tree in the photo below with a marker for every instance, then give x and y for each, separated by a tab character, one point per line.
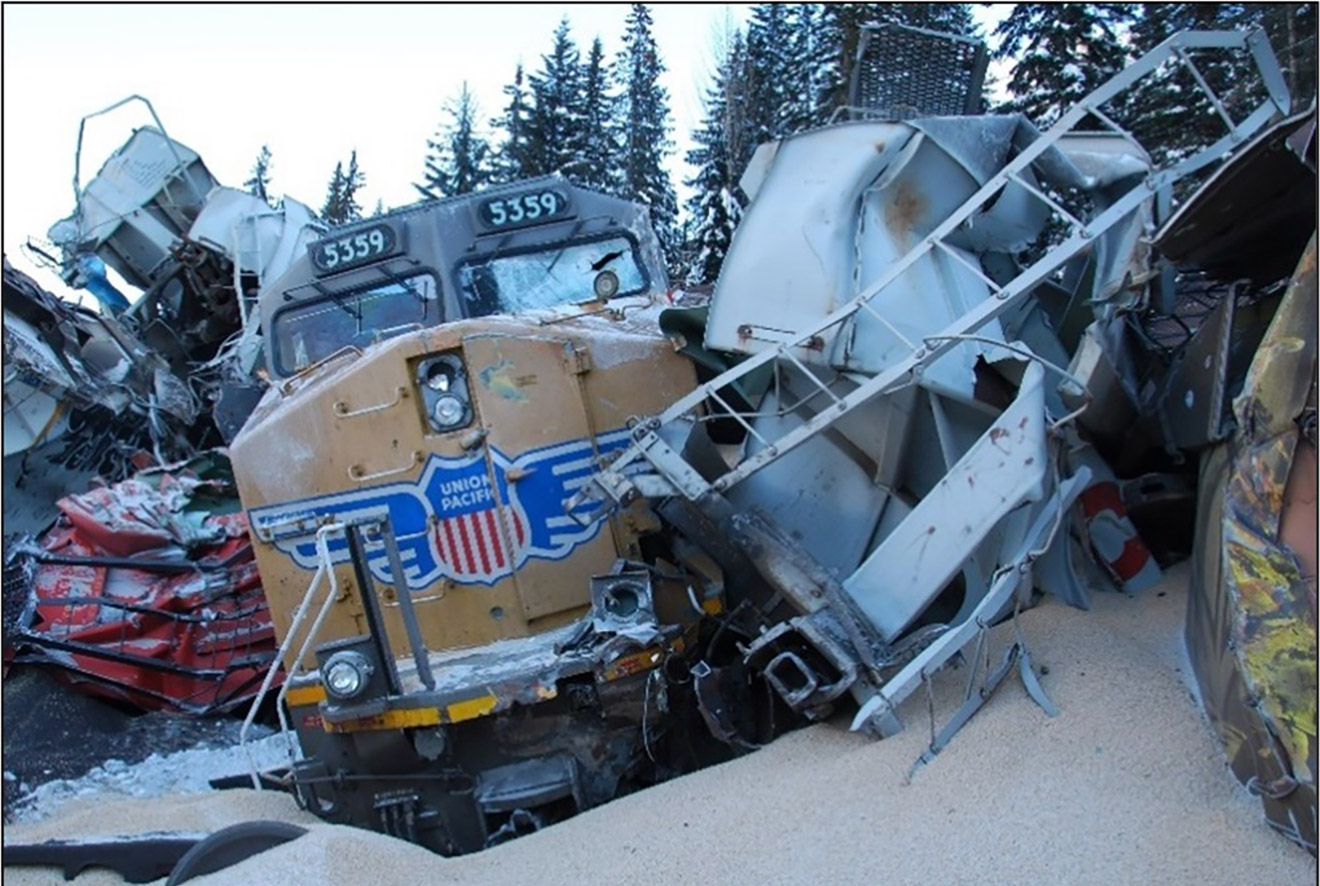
458	158
555	126
768	63
597	136
1062	52
722	140
948	18
805	67
511	160
1171	114
354	180
259	184
341	206
333	210
643	115
1291	28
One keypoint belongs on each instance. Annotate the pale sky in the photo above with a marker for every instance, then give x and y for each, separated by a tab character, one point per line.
311	81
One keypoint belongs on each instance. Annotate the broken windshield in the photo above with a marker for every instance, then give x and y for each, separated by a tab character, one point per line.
553	275
314	329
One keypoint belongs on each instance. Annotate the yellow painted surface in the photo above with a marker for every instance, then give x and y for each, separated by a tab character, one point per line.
304	695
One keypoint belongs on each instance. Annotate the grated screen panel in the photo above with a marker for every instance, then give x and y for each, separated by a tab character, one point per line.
903	73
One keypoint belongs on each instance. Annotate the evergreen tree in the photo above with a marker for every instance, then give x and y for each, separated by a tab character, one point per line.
511	160
1291	28
1063	51
555	130
715	207
354	180
805	68
341	206
643	115
1170	114
458	158
949	18
598	139
768	63
333	210
259	184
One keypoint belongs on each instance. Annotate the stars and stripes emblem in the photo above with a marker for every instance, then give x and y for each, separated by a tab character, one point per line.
473	520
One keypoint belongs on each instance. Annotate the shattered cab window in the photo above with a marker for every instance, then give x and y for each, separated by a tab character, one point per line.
557	275
315	328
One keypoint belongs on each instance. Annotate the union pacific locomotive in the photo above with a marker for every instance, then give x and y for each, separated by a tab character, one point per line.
478	658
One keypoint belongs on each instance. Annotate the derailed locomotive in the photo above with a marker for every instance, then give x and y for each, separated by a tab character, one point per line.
449	375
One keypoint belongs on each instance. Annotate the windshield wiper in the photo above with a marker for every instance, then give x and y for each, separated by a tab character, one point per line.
577	226
339	300
606	260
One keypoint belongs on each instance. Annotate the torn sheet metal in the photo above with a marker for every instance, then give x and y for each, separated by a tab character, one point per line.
1251	617
143	595
1253	216
140	202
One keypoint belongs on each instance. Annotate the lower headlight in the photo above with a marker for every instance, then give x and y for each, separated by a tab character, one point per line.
345	674
449	411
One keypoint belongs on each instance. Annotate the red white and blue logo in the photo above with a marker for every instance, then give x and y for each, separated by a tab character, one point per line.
449	524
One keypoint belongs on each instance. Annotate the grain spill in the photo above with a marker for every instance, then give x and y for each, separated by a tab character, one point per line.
1127	785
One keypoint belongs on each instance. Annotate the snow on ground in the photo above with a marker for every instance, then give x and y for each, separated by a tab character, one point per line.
183	772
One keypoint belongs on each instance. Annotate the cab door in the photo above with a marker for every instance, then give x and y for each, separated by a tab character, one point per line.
541	447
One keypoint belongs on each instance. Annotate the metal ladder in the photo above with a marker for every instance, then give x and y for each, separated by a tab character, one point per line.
674	476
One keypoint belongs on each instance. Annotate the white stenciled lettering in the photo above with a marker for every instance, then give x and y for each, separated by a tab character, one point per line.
465	492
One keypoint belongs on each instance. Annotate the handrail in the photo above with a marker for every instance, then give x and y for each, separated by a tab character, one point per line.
357	473
342	411
324	567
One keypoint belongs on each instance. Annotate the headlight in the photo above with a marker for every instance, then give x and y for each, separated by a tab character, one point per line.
605	285
438	376
442	383
449	411
345	674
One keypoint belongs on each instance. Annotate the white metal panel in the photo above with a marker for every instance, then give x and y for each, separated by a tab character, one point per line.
792	256
1005	468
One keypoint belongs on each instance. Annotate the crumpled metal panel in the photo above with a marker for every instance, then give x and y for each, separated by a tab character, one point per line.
1005	468
146	600
110	221
1251	620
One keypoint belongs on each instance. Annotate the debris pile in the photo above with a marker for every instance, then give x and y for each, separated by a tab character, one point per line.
146	591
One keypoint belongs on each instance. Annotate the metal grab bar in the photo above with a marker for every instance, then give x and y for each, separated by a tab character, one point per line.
286	385
356	472
324	567
341	408
169	143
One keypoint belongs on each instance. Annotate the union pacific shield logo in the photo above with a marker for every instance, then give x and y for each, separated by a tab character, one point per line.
448	522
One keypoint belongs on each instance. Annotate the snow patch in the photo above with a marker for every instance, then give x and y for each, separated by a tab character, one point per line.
184	772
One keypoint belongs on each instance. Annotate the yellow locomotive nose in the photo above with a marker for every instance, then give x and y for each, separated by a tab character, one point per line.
441	407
